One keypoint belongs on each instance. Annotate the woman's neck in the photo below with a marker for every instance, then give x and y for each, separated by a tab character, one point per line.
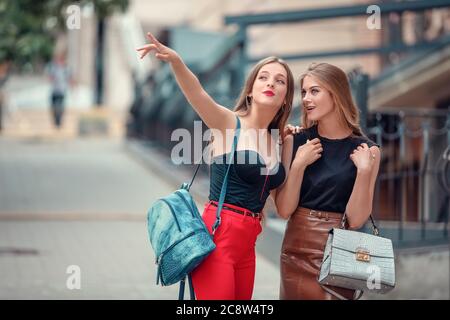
258	119
332	129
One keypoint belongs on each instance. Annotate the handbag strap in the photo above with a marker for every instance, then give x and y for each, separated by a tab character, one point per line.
375	229
223	190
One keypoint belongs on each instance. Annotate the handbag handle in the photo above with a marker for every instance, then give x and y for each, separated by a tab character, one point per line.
375	230
223	190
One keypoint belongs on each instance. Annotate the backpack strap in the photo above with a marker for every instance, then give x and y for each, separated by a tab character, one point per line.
223	190
187	187
191	288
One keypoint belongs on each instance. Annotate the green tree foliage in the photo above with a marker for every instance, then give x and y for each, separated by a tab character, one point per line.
28	28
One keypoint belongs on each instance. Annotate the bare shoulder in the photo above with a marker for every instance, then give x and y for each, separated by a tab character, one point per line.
225	119
230	118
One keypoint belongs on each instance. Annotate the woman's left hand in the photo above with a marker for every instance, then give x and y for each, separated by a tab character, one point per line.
362	157
291	129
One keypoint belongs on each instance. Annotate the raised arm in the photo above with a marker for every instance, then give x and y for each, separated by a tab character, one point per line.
214	115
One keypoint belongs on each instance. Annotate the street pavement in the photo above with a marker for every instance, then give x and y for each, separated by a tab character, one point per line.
77	207
83	203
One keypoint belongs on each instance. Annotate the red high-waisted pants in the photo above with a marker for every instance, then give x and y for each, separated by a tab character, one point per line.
228	273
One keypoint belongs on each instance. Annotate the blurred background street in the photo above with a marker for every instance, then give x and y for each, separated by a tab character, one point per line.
82	202
85	130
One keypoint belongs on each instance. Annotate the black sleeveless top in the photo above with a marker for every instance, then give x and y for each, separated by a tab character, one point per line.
249	184
328	182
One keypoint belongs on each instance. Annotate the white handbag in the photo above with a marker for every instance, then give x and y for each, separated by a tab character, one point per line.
357	260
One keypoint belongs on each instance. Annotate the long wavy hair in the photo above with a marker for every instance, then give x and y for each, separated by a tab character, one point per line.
243	104
336	82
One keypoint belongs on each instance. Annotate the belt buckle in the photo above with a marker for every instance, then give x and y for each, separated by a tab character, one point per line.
319	215
314	213
257	215
250	214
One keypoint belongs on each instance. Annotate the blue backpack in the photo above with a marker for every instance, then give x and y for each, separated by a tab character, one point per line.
178	235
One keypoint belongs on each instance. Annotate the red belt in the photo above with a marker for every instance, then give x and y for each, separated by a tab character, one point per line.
244	212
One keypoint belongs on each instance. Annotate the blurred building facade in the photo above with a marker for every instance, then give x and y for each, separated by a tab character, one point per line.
404	101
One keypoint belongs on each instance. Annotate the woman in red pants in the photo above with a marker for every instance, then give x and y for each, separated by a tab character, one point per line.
262	110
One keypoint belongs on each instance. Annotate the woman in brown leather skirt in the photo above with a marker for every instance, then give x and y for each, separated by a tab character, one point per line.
333	170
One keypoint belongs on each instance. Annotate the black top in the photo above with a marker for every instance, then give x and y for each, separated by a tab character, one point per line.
249	184
328	182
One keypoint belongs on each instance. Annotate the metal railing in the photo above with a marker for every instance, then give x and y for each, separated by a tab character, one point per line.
413	187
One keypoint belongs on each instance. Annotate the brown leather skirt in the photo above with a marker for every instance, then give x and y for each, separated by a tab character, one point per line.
301	255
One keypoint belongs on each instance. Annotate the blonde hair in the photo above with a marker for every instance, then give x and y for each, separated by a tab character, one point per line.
336	82
280	119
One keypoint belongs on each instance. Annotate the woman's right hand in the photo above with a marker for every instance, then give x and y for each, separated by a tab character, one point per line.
162	52
308	153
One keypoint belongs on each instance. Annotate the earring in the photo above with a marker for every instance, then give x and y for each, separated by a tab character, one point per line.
248	101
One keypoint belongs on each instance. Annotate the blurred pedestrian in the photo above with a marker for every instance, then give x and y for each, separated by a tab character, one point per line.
60	78
4	73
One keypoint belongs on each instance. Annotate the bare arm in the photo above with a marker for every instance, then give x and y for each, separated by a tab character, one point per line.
359	206
214	115
283	194
288	195
286	155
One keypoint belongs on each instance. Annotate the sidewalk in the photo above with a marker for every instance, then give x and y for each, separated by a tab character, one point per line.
114	257
83	202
